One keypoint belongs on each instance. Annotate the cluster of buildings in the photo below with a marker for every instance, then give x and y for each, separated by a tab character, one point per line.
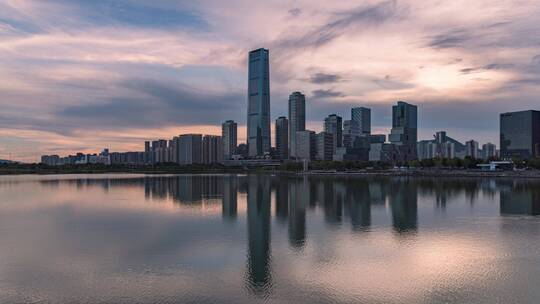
340	140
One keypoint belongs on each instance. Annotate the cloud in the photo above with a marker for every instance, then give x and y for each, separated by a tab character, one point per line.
488	67
362	16
451	39
156	104
295	12
323	78
320	94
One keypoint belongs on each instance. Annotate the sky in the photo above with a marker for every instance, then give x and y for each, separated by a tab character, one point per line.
79	75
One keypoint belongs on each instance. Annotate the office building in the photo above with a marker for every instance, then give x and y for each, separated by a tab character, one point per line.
190	149
333	125
297	119
383	152
282	138
471	149
489	151
520	134
306	145
258	116
357	151
363	117
212	149
351	130
229	138
325	144
377	138
404	133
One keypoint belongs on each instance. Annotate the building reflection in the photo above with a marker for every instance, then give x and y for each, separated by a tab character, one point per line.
259	277
358	205
230	198
403	199
299	199
520	198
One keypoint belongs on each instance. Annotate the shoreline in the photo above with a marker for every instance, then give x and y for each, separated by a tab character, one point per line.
427	173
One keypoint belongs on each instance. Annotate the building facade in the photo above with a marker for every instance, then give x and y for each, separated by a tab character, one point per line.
297	119
363	117
489	151
520	134
282	138
258	115
404	133
306	145
351	130
229	138
325	144
190	149
471	149
212	149
333	125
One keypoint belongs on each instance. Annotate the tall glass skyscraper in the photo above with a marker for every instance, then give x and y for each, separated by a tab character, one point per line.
520	134
282	138
404	132
229	136
297	119
258	116
333	124
363	117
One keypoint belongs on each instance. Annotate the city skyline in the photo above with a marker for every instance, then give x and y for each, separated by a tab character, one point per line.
82	83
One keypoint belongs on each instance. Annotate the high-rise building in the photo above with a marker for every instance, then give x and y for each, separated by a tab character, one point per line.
297	119
282	138
325	144
351	130
471	149
190	149
258	115
363	117
212	149
333	125
404	133
147	153
489	151
229	138
306	145
520	134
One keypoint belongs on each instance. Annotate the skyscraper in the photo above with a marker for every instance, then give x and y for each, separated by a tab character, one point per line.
472	149
212	149
229	138
190	149
363	117
404	132
351	130
307	145
333	125
297	119
489	151
282	138
520	135
258	115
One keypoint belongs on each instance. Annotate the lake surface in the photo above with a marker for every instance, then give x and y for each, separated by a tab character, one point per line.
262	238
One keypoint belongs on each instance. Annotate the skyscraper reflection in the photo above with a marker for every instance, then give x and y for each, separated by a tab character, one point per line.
403	199
259	279
520	198
299	197
230	197
358	204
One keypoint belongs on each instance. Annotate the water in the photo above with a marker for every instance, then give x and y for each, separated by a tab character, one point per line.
261	238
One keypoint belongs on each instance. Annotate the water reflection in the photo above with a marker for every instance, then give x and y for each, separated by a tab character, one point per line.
266	227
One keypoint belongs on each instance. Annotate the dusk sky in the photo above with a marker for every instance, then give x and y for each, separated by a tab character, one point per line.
81	75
